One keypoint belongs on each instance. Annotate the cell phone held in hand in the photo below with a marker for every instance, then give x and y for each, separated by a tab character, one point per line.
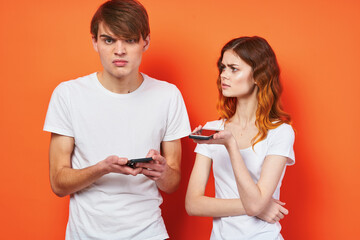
203	134
131	163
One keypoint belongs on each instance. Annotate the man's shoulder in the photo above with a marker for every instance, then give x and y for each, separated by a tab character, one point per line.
80	80
76	83
161	84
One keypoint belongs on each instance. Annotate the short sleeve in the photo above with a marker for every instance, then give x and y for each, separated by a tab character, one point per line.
58	119
203	149
281	142
178	125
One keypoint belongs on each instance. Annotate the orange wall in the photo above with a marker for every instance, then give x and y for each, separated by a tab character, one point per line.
317	44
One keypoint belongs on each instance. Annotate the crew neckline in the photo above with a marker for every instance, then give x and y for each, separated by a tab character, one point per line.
119	95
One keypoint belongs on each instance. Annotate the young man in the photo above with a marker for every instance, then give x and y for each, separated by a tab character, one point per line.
100	121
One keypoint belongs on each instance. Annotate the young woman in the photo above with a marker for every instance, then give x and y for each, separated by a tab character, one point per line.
250	152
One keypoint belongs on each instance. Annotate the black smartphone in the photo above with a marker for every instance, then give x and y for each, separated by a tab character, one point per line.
131	163
203	134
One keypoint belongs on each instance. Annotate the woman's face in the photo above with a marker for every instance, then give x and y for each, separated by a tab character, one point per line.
236	76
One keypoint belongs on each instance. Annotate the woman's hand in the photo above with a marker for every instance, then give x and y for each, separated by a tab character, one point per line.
223	137
273	212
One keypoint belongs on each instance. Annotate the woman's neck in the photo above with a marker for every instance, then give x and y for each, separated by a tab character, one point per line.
245	114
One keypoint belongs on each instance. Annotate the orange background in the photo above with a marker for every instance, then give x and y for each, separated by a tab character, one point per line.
317	43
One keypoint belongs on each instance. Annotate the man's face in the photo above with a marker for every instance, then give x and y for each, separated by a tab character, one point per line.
120	57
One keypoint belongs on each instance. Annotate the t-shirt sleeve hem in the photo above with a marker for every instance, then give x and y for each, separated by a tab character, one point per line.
58	131
177	136
290	159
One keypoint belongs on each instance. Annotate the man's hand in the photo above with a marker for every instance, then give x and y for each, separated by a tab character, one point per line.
155	169
116	164
273	212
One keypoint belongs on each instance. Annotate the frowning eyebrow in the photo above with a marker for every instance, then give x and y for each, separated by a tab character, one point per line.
230	65
106	36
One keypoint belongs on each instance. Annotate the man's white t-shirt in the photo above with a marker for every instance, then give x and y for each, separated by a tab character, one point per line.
102	124
279	141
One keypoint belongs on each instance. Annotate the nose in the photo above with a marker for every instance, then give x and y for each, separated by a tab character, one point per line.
224	74
119	47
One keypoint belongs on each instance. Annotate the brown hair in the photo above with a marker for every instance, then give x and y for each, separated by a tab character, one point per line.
125	18
257	53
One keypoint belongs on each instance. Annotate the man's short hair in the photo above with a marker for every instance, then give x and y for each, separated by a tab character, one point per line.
125	18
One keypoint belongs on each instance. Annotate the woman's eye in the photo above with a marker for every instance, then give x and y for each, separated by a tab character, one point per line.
234	69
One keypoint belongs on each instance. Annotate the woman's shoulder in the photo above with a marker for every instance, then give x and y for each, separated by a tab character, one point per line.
215	125
283	129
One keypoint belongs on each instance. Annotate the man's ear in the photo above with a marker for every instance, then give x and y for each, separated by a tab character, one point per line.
94	42
146	43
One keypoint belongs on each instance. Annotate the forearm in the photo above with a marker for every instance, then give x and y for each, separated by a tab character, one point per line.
170	181
68	180
254	201
213	207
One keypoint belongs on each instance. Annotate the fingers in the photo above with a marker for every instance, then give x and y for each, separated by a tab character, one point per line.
197	129
122	161
154	175
279	202
152	152
284	211
134	171
154	169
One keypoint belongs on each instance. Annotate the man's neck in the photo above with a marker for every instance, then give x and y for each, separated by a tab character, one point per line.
121	85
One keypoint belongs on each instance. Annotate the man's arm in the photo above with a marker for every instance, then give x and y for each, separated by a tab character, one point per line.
65	180
165	167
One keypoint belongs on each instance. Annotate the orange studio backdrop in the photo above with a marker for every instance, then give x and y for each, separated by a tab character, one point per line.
317	44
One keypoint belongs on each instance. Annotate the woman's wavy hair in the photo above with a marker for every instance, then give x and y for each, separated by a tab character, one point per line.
256	52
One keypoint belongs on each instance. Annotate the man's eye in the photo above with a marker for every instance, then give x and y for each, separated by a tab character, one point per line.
109	40
130	40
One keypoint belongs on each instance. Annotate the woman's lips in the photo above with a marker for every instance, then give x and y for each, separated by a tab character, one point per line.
223	85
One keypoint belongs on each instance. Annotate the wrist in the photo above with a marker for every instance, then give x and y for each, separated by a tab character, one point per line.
102	168
231	144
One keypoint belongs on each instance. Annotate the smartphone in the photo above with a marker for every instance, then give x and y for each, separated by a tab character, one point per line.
203	134
131	163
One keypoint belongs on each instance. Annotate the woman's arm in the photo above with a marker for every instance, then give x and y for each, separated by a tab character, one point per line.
196	203
254	196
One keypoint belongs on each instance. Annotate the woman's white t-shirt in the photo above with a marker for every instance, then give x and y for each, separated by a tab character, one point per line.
279	141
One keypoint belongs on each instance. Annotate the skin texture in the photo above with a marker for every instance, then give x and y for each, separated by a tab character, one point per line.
256	198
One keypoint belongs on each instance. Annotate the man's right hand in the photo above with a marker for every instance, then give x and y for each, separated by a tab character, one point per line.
117	164
65	180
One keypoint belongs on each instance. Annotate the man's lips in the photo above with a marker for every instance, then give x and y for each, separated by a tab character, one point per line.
120	63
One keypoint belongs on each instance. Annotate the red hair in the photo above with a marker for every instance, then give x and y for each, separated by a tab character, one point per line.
257	53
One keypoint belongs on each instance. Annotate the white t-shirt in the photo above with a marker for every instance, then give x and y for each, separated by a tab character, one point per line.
104	123
279	141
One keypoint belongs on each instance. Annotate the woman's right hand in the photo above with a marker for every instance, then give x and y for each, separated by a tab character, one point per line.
223	137
273	212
